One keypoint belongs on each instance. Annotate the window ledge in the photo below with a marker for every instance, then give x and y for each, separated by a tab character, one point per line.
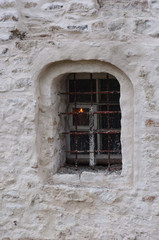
90	179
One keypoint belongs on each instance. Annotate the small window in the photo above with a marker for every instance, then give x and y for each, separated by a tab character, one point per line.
93	121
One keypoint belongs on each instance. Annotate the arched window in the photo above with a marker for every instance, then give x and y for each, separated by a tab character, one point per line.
93	116
70	92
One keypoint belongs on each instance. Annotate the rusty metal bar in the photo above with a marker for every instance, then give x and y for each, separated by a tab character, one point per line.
91	88
98	112
74	113
108	120
83	93
76	133
106	112
87	151
107	132
101	103
75	101
95	132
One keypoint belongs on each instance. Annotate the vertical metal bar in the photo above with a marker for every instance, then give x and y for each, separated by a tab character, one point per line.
91	88
75	104
91	137
98	119
108	120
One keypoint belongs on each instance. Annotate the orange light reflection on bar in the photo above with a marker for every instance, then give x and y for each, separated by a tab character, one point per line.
81	110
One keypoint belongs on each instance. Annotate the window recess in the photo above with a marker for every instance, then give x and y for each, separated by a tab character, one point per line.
93	120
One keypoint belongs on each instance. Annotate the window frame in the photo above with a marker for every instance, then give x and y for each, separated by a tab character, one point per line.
97	103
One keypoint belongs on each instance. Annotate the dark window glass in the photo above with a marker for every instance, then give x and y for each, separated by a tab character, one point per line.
114	118
83	86
115	144
82	116
113	87
82	142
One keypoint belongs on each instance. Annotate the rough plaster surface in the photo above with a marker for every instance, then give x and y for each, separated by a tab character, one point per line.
42	41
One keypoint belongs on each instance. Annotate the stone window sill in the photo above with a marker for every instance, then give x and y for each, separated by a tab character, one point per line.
90	179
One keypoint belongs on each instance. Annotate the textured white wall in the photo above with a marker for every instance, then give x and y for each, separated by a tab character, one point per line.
40	39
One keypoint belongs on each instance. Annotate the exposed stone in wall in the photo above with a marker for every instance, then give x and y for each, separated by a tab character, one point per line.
154	4
39	37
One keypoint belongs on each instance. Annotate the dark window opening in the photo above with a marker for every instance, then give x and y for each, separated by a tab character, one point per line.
93	121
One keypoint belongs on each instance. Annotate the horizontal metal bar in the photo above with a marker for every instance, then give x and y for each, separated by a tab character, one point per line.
95	132
103	151
99	112
97	103
107	112
76	133
84	93
76	151
87	151
106	132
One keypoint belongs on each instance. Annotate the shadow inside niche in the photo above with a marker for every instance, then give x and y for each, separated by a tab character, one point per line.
70	169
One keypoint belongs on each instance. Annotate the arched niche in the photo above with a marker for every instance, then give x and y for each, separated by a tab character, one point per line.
50	145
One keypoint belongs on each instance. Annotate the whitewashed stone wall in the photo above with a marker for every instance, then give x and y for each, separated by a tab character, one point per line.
42	41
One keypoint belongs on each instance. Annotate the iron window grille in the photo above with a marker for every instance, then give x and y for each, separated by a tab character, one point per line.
93	117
